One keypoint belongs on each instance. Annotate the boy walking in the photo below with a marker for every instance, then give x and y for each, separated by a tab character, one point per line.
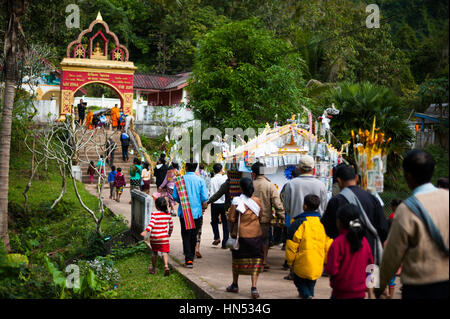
306	247
111	177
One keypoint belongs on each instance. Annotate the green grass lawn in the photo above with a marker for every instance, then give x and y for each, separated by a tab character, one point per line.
136	282
64	232
61	231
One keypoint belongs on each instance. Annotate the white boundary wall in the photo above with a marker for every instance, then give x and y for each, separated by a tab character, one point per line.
48	110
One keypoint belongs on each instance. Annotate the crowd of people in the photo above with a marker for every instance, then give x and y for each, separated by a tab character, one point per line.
342	238
339	238
91	120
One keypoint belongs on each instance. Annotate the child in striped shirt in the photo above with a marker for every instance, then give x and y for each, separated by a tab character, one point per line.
160	229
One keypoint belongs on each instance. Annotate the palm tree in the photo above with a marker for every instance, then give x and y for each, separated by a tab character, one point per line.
359	103
15	10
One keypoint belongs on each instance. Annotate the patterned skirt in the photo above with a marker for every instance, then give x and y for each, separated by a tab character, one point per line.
248	260
170	195
135	182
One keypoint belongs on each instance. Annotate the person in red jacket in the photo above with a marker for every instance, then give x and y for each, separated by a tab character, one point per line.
348	257
119	183
160	229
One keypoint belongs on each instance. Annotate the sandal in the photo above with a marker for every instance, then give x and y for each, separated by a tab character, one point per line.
255	293
233	288
166	272
151	270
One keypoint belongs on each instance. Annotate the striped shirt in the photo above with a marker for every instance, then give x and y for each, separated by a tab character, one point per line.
160	227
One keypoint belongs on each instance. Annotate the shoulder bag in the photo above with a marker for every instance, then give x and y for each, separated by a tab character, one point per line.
419	210
233	243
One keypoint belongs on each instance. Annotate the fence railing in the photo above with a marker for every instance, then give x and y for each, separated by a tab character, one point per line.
424	138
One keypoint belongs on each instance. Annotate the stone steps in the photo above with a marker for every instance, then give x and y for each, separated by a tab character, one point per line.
92	155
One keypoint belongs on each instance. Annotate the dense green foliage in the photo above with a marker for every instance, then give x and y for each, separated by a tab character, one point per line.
44	240
162	35
243	76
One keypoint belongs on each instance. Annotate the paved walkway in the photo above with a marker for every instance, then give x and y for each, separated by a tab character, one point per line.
212	273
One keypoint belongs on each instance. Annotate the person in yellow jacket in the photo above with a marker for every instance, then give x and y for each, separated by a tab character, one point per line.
306	247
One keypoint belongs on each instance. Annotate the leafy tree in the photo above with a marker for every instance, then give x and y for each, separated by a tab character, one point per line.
359	104
406	40
243	76
434	91
179	32
333	39
425	17
431	58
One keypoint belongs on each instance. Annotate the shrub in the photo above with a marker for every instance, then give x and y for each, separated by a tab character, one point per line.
103	268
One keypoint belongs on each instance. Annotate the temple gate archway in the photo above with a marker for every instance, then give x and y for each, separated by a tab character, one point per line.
87	61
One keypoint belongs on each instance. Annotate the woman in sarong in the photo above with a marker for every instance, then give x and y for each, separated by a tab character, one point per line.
146	179
168	185
248	259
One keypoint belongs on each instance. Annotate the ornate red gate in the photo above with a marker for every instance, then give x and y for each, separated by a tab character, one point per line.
96	56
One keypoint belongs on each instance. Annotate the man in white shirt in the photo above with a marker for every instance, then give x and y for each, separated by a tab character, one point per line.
218	207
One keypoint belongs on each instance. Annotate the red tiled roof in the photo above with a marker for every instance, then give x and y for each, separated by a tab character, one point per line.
159	82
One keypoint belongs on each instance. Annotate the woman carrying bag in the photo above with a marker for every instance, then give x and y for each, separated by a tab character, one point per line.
246	237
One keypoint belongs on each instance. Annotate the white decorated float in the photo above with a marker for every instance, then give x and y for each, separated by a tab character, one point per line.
280	149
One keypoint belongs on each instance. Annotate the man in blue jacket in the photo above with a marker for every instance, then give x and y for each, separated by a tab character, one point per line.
197	194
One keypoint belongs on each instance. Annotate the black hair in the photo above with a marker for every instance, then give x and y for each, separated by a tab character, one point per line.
136	161
191	167
348	215
175	165
91	162
217	167
113	168
345	172
312	202
420	165
246	186
442	182
201	166
295	172
145	165
119	169
395	202
256	168
334	170
161	204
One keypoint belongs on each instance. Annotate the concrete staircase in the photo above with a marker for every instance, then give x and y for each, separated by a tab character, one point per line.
91	155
